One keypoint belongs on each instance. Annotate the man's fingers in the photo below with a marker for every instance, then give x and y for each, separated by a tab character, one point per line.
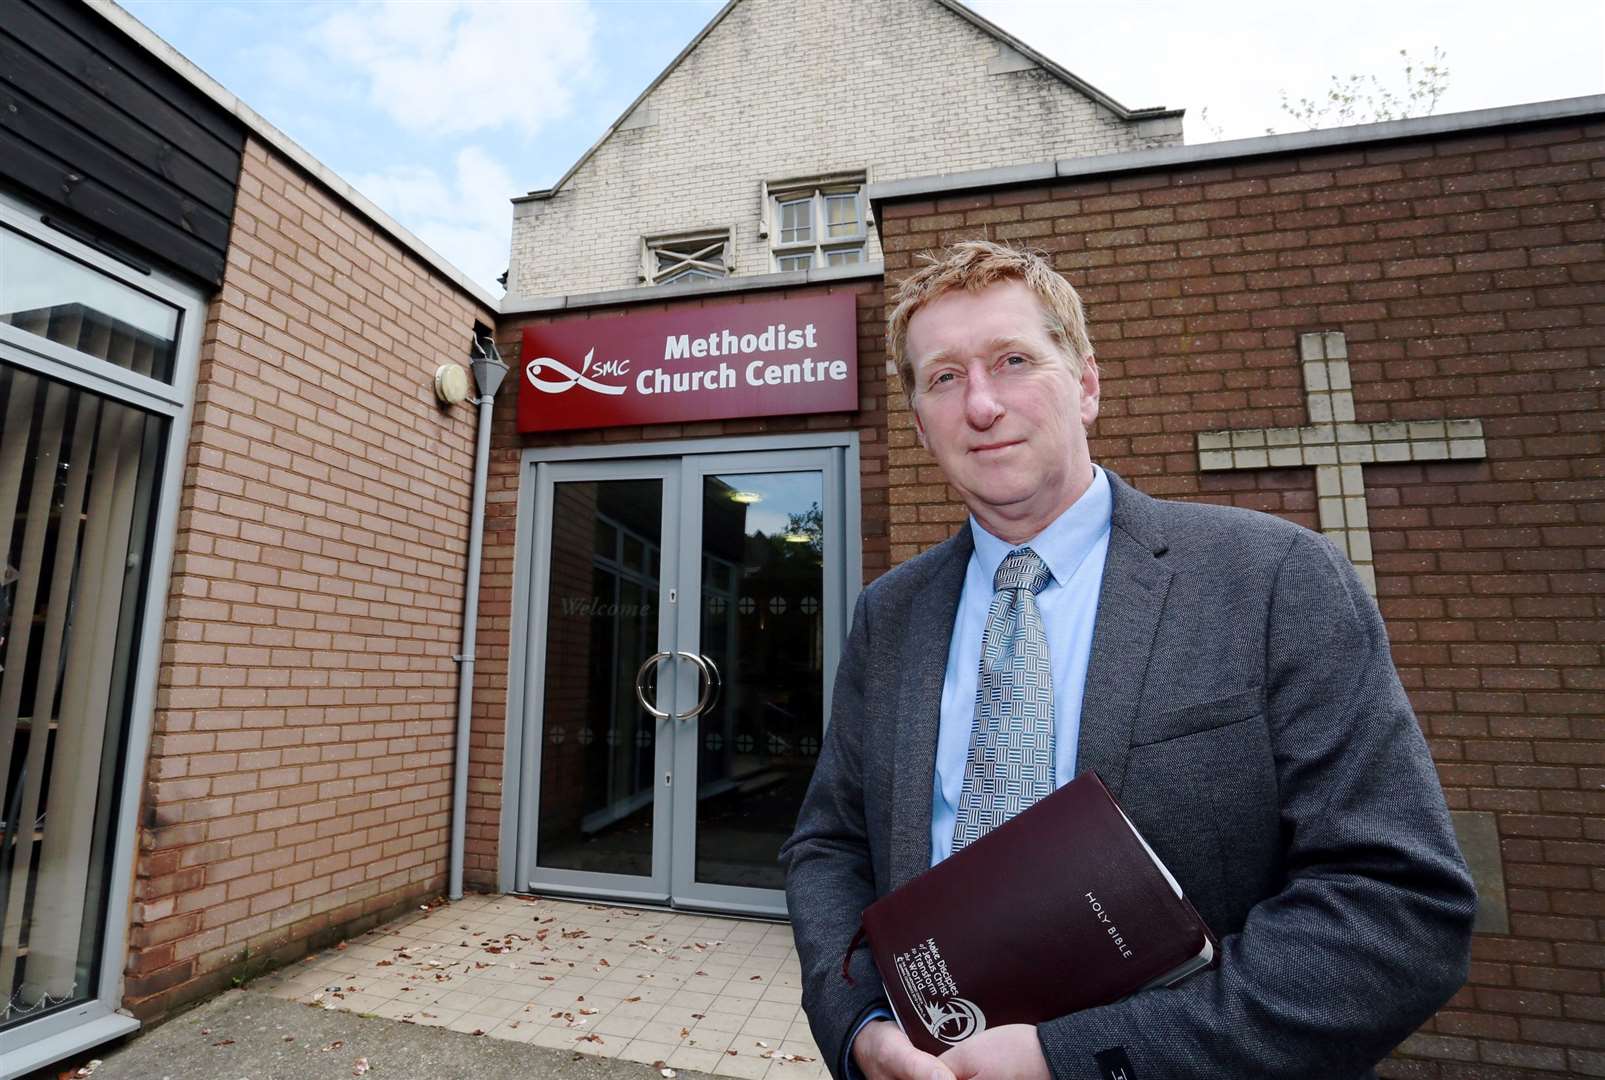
883	1052
957	1061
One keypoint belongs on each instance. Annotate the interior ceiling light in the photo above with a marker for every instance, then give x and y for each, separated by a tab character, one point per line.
747	497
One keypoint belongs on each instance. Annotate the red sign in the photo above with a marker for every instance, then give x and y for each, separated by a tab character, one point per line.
773	358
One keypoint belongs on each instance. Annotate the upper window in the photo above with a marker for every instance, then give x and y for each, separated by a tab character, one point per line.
816	223
47	293
686	257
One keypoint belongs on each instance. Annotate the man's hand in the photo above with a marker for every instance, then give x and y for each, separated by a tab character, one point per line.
883	1052
1010	1052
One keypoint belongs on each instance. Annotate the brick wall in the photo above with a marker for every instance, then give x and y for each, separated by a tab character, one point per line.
1468	273
781	90
298	783
501	518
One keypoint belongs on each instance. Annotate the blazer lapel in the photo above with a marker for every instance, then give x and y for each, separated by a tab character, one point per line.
1135	583
926	639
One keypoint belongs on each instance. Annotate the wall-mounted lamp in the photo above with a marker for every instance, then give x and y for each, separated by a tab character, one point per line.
451	384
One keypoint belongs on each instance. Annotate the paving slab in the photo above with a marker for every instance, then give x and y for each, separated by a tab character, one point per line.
254	1035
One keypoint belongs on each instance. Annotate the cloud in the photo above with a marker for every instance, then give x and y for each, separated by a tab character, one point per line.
449	67
1238	58
464	215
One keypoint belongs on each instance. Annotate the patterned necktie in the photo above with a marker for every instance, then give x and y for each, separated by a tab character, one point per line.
1011	743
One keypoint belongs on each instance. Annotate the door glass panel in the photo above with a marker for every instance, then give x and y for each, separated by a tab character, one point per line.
762	627
598	745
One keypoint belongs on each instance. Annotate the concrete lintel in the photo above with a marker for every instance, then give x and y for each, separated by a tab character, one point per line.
741	283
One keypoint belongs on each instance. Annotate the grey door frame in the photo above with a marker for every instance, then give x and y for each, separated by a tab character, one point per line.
685	889
653	887
836	456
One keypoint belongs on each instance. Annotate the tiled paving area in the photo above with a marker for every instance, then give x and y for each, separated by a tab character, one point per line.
693	991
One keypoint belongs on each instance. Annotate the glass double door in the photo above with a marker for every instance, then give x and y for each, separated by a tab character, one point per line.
686	619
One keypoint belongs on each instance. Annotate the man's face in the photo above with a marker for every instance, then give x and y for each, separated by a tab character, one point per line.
997	403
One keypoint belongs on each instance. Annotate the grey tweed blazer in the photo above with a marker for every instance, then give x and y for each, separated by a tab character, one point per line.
1242	704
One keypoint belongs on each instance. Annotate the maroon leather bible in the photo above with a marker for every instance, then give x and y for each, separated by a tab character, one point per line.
1062	908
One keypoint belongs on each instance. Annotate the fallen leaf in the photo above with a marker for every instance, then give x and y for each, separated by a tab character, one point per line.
593	1037
477	1031
385	963
360	1066
632	1000
224	1042
756	978
684	1032
337	1044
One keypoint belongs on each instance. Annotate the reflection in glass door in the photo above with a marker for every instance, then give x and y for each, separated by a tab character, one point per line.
687	613
762	628
598	824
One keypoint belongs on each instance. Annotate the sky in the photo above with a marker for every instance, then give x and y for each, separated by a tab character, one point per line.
440	111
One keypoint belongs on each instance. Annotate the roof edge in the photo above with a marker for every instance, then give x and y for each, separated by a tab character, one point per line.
1259	146
186	69
978	21
984	24
547	193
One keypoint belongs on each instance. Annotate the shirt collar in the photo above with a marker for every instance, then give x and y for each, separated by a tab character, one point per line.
1065	543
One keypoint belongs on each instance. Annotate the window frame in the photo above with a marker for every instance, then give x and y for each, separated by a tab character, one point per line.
690	267
95	1019
818	248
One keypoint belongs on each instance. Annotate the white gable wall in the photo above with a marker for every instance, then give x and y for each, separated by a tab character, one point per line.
784	89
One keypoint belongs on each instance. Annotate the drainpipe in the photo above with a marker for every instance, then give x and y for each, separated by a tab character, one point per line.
486	364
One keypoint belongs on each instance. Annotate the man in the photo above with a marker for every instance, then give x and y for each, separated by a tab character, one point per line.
1224	672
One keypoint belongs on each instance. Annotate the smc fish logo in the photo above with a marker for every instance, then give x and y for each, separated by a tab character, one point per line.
569	378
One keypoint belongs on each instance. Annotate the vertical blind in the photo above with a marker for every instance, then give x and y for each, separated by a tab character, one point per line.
79	474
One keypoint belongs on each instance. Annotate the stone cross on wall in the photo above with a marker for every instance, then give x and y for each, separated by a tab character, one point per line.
1338	448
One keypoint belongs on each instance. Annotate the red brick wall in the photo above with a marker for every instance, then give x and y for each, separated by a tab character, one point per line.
496	601
1468	273
299	779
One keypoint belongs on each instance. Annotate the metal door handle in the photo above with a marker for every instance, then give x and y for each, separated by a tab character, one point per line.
640	683
718	680
710	680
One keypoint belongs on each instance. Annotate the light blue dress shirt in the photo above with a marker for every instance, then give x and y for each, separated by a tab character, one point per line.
1074	546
